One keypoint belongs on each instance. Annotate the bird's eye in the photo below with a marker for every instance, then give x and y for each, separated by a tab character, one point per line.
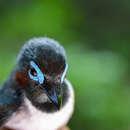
33	72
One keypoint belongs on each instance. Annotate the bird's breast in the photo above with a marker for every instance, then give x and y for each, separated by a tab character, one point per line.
30	118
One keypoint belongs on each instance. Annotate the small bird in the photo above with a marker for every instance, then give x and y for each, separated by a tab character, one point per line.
37	95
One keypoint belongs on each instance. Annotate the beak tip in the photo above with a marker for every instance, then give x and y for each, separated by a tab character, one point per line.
55	99
58	107
57	103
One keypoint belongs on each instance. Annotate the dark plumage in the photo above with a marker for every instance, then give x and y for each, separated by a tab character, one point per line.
36	83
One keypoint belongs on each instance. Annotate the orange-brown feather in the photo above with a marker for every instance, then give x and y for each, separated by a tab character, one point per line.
21	78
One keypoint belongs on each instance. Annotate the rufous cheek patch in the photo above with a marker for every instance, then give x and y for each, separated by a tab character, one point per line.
21	78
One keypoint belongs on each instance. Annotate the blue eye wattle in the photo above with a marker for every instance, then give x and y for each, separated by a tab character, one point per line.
64	73
39	77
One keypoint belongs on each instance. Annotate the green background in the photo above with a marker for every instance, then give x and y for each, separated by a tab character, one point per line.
96	36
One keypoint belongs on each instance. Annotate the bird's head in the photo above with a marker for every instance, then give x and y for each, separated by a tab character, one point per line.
41	69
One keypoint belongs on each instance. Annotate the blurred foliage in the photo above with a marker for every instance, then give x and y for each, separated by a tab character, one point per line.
40	18
96	36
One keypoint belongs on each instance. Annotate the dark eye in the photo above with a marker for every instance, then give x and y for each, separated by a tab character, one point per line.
33	72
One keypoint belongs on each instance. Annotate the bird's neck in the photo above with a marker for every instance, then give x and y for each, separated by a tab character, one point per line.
57	119
41	101
35	119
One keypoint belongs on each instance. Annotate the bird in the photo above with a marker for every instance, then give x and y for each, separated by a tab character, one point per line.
37	95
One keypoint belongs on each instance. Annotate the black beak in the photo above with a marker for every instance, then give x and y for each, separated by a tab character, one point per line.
51	93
